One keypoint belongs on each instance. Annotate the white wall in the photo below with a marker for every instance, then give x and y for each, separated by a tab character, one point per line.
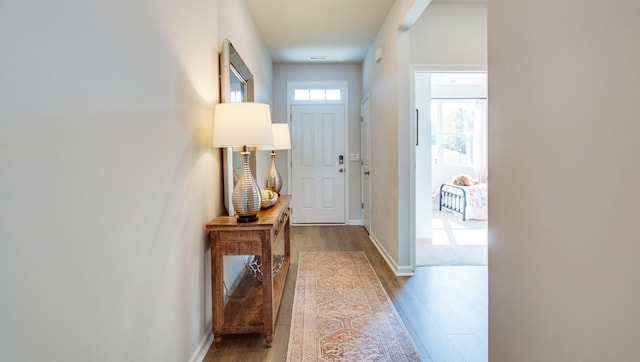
236	24
563	125
383	80
107	177
352	74
452	34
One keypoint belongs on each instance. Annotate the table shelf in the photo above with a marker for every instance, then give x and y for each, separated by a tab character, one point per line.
244	310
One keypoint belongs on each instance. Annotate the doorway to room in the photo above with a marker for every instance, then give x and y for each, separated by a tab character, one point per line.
451	141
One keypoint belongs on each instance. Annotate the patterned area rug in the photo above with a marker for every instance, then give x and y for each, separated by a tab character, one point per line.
341	312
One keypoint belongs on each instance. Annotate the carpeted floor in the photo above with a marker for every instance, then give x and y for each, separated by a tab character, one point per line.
454	242
341	312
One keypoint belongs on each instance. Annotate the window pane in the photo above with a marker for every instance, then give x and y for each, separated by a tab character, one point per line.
454	132
301	95
317	95
333	95
236	96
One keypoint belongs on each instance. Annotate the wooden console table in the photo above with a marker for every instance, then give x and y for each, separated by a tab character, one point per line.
253	307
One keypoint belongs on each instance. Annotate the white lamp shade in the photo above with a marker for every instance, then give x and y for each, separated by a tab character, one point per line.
281	138
242	124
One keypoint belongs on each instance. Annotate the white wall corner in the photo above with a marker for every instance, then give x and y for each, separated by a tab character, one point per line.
413	13
203	347
402	270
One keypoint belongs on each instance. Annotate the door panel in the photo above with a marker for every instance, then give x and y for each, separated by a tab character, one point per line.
318	179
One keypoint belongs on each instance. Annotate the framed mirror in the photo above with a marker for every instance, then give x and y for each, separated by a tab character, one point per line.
236	85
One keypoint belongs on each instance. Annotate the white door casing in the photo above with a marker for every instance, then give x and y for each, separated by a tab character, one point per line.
365	169
318	176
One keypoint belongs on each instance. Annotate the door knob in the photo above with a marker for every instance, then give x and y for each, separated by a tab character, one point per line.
341	170
367	173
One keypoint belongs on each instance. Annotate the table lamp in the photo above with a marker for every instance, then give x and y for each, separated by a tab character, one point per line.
245	125
281	141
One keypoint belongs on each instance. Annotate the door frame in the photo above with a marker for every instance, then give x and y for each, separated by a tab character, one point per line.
344	101
428	68
366	98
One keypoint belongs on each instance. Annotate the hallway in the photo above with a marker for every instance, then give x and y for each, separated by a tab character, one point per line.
444	308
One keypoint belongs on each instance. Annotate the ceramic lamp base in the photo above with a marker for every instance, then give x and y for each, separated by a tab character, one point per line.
273	180
246	196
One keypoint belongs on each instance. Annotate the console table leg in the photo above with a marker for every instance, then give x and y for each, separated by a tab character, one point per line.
268	338
217	341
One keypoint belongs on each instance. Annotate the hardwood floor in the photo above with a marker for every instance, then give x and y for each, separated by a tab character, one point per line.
444	308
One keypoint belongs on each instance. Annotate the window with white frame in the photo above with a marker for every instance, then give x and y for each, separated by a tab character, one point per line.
457	128
317	94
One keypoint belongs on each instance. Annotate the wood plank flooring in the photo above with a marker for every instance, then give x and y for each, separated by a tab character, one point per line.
444	308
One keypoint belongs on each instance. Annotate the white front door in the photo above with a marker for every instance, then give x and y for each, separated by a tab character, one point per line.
366	171
318	164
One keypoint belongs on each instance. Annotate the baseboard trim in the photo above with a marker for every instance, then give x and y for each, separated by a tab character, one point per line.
404	271
397	270
203	347
355	222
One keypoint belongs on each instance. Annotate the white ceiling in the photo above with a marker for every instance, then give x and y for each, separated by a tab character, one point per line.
323	30
301	30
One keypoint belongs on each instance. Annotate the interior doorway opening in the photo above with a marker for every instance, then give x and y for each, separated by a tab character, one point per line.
451	140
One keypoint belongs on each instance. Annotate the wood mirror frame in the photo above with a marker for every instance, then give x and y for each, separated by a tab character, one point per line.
236	85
